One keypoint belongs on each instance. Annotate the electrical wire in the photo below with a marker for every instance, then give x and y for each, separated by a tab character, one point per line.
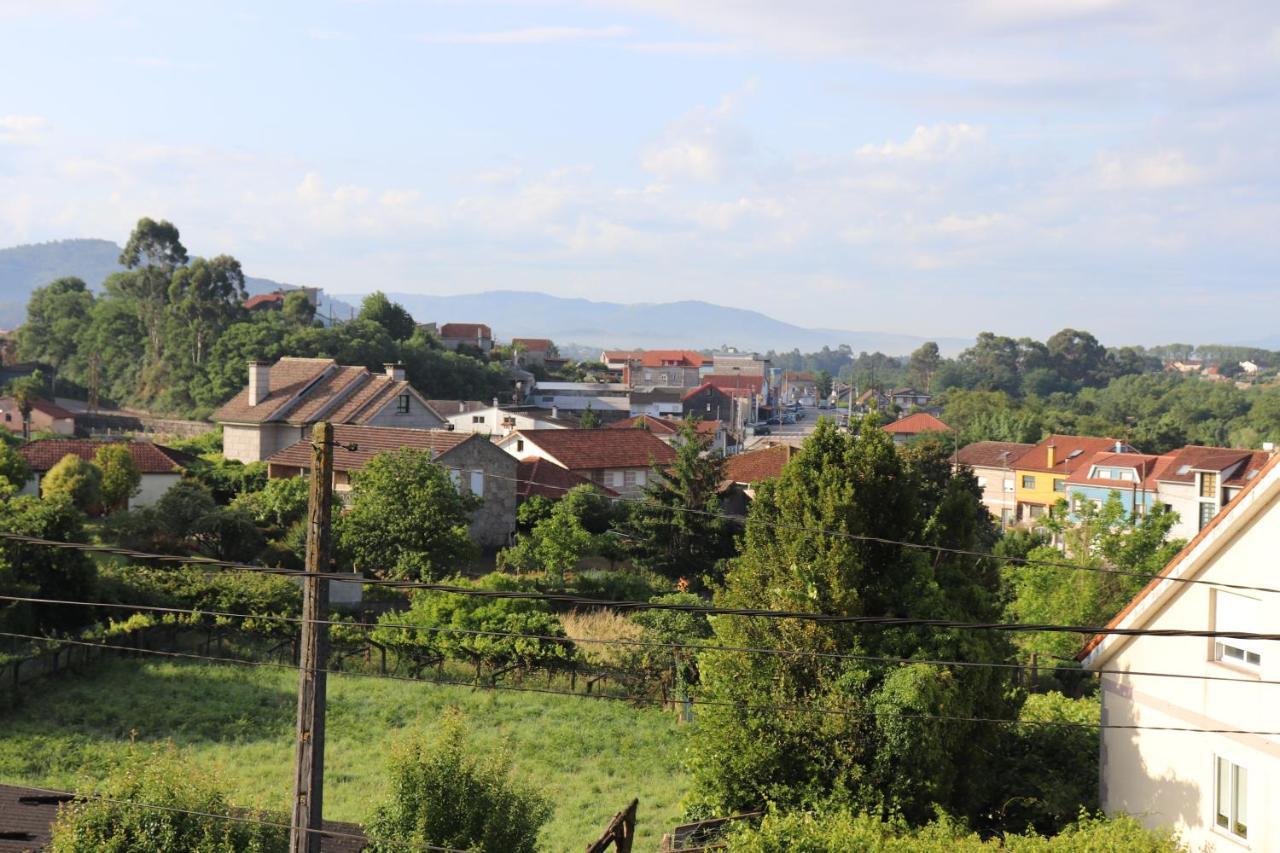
741	706
673	647
331	833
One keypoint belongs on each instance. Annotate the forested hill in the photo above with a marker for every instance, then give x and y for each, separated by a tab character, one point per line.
24	268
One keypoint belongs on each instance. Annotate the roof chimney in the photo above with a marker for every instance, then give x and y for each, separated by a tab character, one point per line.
462	406
395	370
259	382
1050	455
1119	446
555	411
495	402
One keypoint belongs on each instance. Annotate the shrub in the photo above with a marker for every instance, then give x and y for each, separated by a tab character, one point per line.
280	503
75	479
120	476
620	585
161	778
445	792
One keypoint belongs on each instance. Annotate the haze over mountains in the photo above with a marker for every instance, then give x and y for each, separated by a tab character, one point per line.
510	313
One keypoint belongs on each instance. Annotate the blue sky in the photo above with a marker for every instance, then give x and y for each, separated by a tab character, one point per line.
932	168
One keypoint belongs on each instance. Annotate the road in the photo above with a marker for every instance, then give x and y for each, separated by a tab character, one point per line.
791	433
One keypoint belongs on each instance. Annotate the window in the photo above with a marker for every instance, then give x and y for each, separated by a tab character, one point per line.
8	418
1028	482
519	445
619	479
1035	511
629	479
1231	797
1209	486
1008	485
477	419
455	477
1207	512
982	482
402	404
477	483
1060	486
1236	613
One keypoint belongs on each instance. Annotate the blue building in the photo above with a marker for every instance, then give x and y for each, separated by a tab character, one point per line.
1131	475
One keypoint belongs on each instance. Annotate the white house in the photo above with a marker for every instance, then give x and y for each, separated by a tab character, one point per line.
470	416
579	396
159	466
619	459
1218	781
283	400
1197	482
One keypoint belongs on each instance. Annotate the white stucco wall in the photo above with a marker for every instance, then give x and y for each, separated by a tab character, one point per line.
1182	497
152	487
1167	778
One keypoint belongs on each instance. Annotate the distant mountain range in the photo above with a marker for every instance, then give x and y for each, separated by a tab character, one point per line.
691	324
24	268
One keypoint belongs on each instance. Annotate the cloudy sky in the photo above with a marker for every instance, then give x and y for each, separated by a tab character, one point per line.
934	168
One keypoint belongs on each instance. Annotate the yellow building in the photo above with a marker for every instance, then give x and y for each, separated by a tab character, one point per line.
1040	474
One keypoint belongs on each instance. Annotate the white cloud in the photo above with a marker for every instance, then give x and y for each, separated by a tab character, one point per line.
21	130
528	35
969	225
701	145
1160	170
935	142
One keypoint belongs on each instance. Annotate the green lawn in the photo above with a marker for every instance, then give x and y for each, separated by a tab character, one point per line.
591	756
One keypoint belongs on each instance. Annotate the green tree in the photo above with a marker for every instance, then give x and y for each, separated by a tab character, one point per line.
556	543
677	530
407	520
590	418
280	503
151	255
205	298
925	362
76	480
392	316
39	571
14	471
445	791
121	479
56	314
823	381
25	391
297	308
863	743
183	821
1077	357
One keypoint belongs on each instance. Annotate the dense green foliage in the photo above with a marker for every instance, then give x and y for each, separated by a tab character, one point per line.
76	480
120	476
170	333
556	541
31	570
446	792
14	471
164	779
862	742
406	519
837	831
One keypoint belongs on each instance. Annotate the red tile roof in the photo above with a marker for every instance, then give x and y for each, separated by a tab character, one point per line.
742	391
150	458
286	379
445	408
915	424
264	299
1194	457
664	426
992	454
1070	452
303	390
465	331
798	376
730	381
45	407
1144	464
538	476
1218	520
589	449
370	441
754	466
532	344
670	357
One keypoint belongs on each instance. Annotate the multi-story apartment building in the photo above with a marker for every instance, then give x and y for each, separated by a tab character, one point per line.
992	463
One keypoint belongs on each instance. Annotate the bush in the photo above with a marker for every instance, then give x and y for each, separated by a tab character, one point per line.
620	585
444	792
161	778
75	479
279	504
839	830
120	476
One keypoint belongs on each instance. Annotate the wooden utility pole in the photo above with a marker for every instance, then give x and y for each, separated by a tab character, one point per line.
308	783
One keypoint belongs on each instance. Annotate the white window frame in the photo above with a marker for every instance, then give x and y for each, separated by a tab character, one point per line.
1229	823
477	483
1235	612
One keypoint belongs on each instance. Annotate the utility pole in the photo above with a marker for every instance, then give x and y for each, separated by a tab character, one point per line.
308	783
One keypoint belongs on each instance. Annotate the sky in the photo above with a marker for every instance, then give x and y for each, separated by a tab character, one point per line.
933	168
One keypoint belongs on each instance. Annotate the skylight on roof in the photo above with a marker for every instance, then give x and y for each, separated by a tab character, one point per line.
1185	469
1073	454
1251	474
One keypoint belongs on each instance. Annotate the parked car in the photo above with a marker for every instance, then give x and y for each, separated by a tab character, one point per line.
774	421
800	415
788	418
761	429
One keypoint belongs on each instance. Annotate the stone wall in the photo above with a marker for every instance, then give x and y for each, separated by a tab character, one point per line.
494	523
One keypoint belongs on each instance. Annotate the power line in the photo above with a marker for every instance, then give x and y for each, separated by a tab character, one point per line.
743	706
332	833
674	647
711	610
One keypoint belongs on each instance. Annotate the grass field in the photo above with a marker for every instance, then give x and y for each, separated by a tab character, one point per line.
590	756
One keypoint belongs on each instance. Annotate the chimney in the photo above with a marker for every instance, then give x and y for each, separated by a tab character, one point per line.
1119	446
462	407
259	382
495	402
1050	458
395	370
555	411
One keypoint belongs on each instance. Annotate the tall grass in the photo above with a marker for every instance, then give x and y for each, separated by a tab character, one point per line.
599	624
590	756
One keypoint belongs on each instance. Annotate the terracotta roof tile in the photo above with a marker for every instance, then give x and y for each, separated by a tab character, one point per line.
657	426
754	466
53	410
587	449
1070	452
287	378
150	458
538	476
370	441
533	344
465	331
992	454
319	398
914	424
263	299
670	357
1194	457
729	381
445	408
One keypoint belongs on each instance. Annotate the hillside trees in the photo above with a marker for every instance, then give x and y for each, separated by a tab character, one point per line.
56	315
802	729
